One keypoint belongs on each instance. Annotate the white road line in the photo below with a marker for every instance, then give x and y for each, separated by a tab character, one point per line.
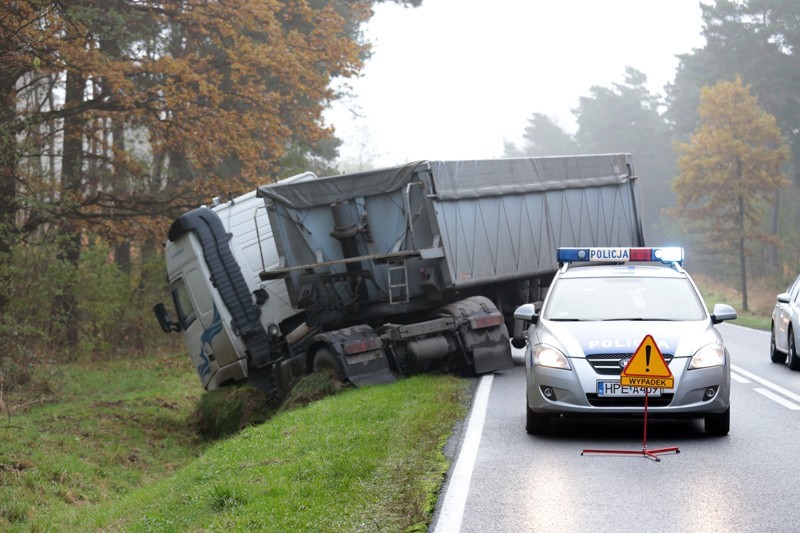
452	512
779	399
777	388
740	379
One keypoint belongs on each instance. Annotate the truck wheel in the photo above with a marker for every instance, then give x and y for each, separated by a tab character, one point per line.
325	360
486	349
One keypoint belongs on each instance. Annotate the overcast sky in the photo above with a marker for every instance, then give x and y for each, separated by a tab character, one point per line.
454	79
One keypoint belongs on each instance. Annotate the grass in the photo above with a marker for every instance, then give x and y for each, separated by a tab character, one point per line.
103	430
761	300
119	450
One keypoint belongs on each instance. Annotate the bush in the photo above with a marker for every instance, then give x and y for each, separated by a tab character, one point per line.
110	308
224	412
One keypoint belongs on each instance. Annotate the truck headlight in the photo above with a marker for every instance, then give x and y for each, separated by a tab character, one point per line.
708	356
544	355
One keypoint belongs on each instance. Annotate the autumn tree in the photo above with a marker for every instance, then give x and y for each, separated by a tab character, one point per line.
757	40
116	115
729	171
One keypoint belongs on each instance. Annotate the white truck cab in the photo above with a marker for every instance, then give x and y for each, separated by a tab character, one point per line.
213	258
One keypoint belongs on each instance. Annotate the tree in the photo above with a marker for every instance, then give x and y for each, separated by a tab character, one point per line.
626	118
543	137
118	114
729	170
757	40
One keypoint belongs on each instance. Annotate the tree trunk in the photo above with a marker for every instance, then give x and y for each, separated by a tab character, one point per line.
70	246
773	248
742	264
119	182
8	189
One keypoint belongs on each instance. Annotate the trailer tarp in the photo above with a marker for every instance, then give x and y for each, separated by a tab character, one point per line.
498	177
459	179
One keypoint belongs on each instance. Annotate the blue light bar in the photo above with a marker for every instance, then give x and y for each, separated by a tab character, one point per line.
568	255
672	254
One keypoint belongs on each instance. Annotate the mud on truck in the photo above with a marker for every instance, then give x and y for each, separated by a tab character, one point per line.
385	273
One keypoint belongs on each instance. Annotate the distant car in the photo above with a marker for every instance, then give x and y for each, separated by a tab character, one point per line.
786	327
601	305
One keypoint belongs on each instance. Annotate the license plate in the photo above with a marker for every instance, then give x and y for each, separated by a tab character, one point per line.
611	389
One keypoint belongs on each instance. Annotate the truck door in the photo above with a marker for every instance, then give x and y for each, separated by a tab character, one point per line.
195	326
205	336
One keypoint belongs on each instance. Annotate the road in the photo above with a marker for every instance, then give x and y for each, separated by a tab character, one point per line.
503	479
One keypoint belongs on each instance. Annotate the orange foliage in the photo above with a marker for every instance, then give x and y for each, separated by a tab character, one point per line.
216	85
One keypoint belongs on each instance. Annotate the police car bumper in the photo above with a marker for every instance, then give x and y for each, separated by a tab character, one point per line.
582	391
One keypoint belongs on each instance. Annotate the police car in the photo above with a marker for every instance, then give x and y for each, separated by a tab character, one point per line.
602	304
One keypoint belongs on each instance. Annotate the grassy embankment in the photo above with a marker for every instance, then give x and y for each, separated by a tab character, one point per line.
761	301
114	446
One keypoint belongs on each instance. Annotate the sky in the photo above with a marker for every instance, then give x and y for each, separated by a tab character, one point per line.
455	79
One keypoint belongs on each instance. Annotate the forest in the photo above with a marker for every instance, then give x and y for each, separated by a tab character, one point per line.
118	115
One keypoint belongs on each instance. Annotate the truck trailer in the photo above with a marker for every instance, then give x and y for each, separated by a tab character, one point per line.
384	273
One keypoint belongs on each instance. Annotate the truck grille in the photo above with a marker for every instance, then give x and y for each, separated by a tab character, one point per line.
608	364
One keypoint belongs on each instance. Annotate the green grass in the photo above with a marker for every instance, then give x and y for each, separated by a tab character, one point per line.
102	430
119	451
759	319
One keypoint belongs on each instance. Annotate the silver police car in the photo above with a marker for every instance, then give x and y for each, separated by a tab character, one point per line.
601	305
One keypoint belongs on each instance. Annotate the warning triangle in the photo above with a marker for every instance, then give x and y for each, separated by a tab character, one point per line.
647	361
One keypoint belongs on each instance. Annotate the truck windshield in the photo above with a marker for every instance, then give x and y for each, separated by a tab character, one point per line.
640	298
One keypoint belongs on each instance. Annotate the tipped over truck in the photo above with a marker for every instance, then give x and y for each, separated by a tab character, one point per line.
384	273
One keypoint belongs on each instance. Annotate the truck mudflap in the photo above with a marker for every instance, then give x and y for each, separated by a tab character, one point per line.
491	358
360	353
483	334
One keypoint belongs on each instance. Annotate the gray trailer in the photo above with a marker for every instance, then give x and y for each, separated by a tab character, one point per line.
419	268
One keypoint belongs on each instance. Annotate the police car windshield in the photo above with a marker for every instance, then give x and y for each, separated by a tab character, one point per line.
630	298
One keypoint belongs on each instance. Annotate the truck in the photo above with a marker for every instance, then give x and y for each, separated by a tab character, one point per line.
385	273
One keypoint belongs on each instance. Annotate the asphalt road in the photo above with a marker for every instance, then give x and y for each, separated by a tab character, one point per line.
503	479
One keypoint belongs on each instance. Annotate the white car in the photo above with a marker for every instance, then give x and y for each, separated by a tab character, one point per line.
602	304
786	327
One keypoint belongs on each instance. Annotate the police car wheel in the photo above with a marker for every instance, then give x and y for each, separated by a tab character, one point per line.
776	355
535	424
719	424
794	360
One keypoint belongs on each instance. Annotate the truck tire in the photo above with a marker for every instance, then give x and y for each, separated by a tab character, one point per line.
325	360
488	349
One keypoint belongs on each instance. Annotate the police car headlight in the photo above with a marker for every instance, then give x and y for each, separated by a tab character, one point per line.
708	356
544	355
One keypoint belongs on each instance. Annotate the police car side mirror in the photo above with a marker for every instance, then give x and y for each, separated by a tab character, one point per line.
527	313
722	312
783	298
524	316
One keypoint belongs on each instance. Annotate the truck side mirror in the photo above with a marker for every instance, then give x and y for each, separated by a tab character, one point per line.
164	320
